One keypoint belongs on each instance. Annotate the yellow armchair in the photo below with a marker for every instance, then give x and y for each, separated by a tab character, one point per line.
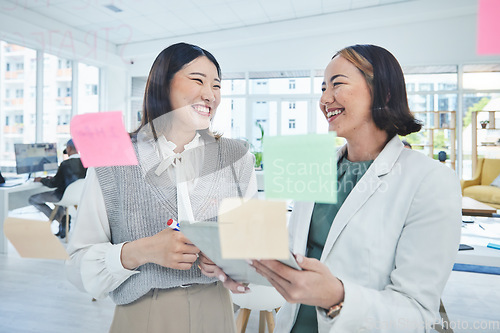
479	187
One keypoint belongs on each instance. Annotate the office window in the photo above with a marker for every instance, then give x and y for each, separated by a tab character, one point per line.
294	117
233	85
18	105
17	77
91	89
57	99
63	64
433	81
88	86
299	85
230	118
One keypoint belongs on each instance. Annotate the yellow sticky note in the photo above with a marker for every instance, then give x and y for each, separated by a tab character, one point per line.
253	229
33	239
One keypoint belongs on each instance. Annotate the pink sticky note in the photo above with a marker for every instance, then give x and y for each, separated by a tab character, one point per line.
102	140
488	36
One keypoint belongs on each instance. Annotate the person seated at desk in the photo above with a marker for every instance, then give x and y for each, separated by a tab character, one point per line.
70	170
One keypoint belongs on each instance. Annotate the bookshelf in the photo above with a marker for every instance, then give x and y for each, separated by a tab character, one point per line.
440	120
491	127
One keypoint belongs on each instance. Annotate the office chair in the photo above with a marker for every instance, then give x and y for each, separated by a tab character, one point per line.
71	197
262	298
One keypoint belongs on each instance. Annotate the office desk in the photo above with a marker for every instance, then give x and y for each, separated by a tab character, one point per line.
473	207
477	237
13	198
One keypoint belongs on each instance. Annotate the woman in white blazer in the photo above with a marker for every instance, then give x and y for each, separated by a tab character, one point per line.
379	260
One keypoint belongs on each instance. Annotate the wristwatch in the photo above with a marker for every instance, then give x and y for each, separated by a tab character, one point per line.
334	310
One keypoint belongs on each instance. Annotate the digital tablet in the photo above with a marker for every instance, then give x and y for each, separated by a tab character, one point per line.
205	235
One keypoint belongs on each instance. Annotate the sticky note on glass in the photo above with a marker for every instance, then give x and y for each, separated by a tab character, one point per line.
102	140
253	229
33	239
301	167
488	36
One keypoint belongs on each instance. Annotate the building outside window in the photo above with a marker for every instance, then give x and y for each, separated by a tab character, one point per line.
88	86
18	68
15	105
58	100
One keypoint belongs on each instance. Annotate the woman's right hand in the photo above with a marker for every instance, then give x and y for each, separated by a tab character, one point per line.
168	248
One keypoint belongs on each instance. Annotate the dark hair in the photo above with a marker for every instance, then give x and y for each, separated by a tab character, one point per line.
385	78
167	63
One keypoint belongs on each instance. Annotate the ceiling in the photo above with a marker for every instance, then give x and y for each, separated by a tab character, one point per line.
137	21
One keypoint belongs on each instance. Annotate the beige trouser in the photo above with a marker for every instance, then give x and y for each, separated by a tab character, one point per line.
200	308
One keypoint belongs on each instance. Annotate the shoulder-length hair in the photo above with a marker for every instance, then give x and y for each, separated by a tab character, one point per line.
385	78
166	65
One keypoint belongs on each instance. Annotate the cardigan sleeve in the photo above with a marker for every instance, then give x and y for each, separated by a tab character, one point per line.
94	265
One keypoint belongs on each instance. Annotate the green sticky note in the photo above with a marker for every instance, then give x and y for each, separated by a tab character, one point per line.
301	167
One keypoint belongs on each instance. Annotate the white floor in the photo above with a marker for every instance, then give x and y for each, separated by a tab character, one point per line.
36	297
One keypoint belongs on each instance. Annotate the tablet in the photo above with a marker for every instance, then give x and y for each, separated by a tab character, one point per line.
205	235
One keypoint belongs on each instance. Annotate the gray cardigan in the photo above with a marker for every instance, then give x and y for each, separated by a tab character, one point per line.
139	203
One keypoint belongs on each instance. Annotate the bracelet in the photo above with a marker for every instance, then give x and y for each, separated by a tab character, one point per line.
334	310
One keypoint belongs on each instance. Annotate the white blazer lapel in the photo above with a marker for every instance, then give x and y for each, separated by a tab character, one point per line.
363	190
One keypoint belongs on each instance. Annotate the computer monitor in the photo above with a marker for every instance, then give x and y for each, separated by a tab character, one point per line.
34	157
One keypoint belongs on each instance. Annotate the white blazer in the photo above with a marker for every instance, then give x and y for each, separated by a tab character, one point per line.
393	244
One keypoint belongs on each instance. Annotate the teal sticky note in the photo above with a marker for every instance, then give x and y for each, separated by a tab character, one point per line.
301	167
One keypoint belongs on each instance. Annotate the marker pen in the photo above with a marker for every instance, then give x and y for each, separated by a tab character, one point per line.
173	224
494	246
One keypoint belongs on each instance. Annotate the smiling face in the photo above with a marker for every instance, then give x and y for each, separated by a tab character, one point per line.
194	95
346	100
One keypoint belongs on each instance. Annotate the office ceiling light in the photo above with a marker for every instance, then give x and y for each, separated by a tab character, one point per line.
113	8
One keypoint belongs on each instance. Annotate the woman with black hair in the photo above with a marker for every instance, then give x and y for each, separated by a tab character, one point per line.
122	245
378	259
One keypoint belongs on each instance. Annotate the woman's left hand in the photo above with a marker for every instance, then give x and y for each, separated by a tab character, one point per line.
210	269
207	266
314	285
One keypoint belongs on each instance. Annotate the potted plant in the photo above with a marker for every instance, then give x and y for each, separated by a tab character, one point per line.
484	123
258	153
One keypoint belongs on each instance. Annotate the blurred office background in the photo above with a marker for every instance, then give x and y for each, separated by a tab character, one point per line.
60	58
